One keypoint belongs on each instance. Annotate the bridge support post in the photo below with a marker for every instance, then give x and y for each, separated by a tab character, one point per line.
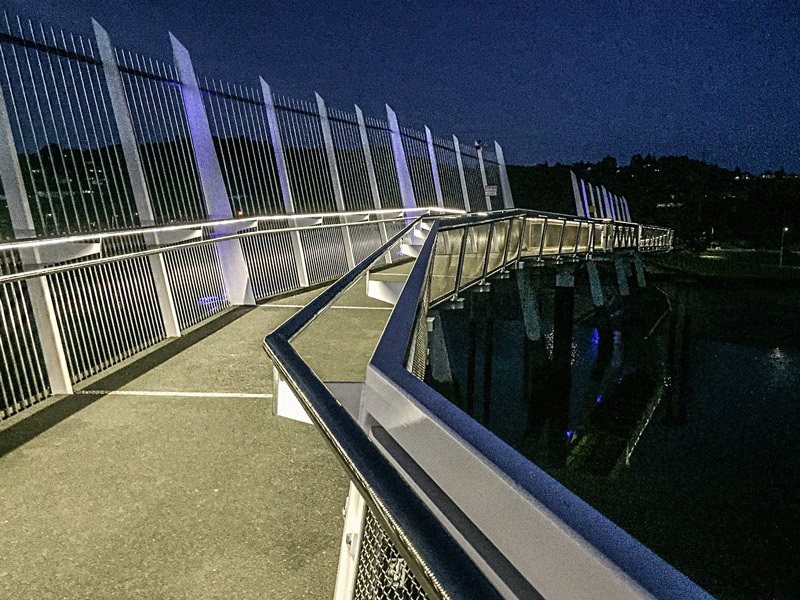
563	321
235	274
637	263
44	315
333	167
622	276
133	163
373	180
480	338
441	370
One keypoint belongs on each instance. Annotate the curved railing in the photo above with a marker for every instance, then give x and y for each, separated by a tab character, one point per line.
525	534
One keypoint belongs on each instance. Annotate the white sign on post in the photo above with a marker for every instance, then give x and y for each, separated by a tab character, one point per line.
491	190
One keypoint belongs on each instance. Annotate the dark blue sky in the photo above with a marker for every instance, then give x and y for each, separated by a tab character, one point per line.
551	81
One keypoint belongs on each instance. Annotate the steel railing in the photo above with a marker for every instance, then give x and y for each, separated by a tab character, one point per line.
461	252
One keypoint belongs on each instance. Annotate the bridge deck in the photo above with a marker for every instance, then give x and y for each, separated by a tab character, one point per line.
168	477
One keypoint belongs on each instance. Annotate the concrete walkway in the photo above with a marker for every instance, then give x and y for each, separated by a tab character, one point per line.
168	477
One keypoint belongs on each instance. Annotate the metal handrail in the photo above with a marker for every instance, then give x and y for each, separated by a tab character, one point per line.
72	266
653	576
440	564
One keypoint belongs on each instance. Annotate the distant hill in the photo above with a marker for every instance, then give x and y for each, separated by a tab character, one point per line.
689	195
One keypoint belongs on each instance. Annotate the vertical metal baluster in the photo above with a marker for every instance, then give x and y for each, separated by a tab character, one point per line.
98	149
74	121
17	120
52	115
38	106
249	158
176	195
108	146
60	105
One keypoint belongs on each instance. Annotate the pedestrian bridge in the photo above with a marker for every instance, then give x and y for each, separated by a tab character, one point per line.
167	231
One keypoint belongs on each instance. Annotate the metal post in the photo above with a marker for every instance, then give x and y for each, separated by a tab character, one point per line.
437	185
373	180
461	177
283	179
579	207
133	163
330	152
482	167
400	163
622	276
637	263
38	289
594	283
234	268
505	185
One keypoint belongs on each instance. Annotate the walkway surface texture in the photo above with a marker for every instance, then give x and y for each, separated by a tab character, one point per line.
169	477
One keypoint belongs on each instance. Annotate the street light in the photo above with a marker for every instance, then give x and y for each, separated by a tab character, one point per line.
783	237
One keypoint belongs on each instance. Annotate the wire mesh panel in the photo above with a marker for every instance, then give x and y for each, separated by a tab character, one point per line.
380	143
492	168
365	239
449	179
351	160
324	252
304	150
382	573
444	271
242	140
195	277
415	146
107	312
23	376
472	174
271	261
163	138
64	132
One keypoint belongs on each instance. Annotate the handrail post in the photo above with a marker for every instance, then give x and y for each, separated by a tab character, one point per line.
235	274
400	163
460	269
373	180
486	198
330	152
488	254
133	163
505	185
437	184
283	179
461	177
542	238
49	333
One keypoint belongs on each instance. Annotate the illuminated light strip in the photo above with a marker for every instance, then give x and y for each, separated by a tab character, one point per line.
31	243
169	394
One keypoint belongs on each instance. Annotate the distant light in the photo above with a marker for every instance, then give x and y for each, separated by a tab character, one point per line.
600	398
786	229
595	337
570	433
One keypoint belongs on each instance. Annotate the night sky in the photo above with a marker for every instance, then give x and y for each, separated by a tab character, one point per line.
554	81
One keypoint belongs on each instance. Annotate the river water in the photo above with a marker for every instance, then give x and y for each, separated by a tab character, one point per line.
707	411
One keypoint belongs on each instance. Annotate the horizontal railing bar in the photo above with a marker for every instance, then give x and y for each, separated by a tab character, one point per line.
20	276
47	48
